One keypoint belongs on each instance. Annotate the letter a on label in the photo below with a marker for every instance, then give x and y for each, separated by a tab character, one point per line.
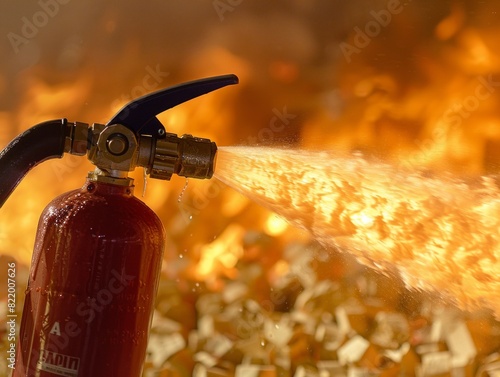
56	329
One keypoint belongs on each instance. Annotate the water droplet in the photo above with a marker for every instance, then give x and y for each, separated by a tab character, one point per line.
179	199
262	343
145	176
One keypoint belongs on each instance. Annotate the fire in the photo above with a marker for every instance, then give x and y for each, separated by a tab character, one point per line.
275	225
438	232
223	253
415	98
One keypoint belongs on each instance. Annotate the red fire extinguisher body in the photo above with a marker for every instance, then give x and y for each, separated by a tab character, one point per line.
92	285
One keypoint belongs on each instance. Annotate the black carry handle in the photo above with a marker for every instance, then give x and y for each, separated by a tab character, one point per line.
140	114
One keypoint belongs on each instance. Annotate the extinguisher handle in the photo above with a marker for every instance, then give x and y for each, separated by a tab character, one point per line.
37	144
140	114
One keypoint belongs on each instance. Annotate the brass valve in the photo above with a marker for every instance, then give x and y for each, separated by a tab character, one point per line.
116	151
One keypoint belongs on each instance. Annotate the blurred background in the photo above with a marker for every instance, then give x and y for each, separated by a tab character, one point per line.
413	83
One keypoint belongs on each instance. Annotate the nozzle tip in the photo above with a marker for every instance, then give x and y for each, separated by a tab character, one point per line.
197	157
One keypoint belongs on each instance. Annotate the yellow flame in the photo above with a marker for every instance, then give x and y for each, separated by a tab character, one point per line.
275	225
224	252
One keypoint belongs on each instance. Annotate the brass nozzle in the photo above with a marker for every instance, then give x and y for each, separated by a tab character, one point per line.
186	156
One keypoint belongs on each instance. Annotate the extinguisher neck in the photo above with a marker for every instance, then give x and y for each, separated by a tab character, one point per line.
114	178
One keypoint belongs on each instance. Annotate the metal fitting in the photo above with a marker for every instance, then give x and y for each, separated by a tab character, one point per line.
101	176
197	157
186	156
116	150
77	138
113	148
165	160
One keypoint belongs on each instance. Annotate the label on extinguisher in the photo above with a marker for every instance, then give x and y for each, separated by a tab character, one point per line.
56	363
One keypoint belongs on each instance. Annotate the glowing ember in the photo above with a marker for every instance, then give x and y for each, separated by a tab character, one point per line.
438	233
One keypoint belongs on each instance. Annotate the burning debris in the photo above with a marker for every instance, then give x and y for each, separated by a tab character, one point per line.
341	327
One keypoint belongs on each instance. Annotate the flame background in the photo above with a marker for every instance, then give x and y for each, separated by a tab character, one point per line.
401	98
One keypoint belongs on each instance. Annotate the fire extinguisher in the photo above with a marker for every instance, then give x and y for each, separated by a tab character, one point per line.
98	249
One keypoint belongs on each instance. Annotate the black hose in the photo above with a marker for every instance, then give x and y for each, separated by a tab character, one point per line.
37	144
